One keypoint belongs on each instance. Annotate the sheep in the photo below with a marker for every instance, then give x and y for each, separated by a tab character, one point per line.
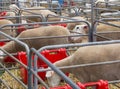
108	28
8	30
16	10
13	14
79	29
71	26
13	47
112	4
82	30
96	53
42	11
102	28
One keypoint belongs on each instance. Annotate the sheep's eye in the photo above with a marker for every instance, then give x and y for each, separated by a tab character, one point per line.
77	27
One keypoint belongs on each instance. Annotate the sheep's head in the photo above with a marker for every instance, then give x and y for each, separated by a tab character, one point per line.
79	29
52	78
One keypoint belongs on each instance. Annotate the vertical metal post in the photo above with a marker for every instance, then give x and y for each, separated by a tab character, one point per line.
35	69
72	84
30	75
91	31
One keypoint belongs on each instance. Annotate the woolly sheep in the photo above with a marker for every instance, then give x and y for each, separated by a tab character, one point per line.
13	14
112	4
89	54
8	30
102	28
42	10
13	47
16	10
108	28
79	29
71	26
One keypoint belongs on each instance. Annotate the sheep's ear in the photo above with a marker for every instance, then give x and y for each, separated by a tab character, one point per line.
49	74
85	27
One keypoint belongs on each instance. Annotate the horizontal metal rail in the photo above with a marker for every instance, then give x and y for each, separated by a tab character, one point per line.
72	45
27	51
72	84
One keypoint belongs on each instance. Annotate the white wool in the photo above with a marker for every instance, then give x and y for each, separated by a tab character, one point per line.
79	29
98	53
24	21
52	78
14	8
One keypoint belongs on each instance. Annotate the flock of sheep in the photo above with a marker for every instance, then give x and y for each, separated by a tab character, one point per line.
82	55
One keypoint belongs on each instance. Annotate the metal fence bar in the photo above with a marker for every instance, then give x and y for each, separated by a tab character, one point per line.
73	85
27	51
13	76
78	45
11	56
74	45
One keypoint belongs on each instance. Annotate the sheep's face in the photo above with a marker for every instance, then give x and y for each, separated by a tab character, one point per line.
52	78
79	29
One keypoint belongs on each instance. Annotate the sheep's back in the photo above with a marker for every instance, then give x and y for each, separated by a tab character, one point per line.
114	31
92	54
8	30
45	32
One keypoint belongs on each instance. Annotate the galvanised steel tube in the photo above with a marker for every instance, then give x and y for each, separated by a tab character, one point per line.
13	76
68	80
78	45
27	51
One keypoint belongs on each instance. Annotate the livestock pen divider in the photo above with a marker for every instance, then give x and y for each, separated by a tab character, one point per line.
25	57
27	48
99	85
51	55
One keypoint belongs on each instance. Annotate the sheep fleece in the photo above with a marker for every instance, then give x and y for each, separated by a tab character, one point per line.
37	43
92	54
108	28
7	29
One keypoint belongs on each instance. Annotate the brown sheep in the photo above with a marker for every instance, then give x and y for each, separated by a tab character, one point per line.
90	54
71	26
39	11
101	28
112	4
108	28
44	12
13	14
79	29
48	31
8	30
